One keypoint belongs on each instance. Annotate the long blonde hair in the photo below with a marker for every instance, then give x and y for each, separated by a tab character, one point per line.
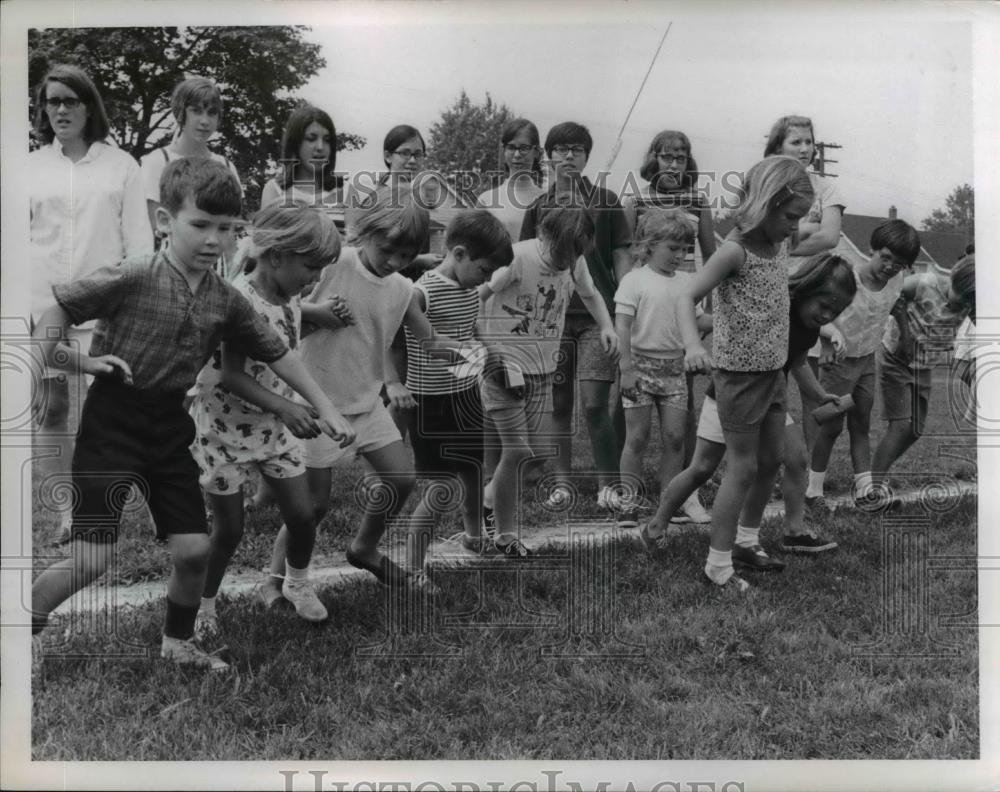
772	182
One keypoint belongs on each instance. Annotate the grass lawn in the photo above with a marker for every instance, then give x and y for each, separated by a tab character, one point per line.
869	652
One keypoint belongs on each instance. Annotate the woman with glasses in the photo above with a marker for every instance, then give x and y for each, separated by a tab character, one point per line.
522	153
87	211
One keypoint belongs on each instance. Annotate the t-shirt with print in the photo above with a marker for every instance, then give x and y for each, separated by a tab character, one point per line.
691	202
750	322
863	322
651	298
347	363
611	231
223	403
527	310
932	323
826	194
452	310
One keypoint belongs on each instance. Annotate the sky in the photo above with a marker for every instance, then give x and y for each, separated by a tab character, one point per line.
892	85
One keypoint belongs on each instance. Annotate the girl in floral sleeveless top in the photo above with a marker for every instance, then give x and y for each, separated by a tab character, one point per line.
750	346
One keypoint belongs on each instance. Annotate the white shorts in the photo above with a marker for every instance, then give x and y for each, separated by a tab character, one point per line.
373	430
709	427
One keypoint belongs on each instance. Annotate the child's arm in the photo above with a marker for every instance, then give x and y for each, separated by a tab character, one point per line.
293	371
69	357
623	327
830	332
331	313
704	323
904	350
815	238
808	384
706	234
609	338
723	263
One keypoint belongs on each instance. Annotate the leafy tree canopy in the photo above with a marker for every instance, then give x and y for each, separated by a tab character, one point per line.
136	69
959	214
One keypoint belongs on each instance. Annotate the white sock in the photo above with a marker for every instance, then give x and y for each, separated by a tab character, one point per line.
207	605
293	575
488	498
719	566
747	537
862	483
816	480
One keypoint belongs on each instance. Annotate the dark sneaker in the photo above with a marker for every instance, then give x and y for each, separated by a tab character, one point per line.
755	558
480	545
806	543
513	549
627	518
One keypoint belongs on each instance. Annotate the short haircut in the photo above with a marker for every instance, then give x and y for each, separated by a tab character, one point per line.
772	182
211	186
899	237
291	141
299	230
660	225
651	163
512	129
96	128
394	212
780	131
820	274
194	92
397	136
569	230
963	280
482	235
568	133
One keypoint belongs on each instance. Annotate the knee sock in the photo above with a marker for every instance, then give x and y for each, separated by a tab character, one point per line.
719	566
816	480
208	604
180	620
747	537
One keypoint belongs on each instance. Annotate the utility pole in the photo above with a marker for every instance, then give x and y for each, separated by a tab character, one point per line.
821	159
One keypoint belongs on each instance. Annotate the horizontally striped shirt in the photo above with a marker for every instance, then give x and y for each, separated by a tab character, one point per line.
689	201
452	311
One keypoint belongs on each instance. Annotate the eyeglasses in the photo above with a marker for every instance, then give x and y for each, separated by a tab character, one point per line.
576	151
68	101
680	159
513	148
408	154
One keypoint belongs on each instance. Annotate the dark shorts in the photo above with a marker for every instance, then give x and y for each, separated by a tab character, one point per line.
903	388
129	438
581	356
745	398
851	375
446	431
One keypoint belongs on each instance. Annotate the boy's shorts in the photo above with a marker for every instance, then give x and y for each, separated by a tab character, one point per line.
901	387
744	398
852	375
446	431
226	450
658	381
501	405
127	438
373	430
709	427
581	352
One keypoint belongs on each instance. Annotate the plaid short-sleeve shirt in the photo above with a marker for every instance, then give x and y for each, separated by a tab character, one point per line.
149	317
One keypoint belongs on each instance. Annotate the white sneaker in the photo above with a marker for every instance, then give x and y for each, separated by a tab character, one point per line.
560	498
206	626
695	512
186	653
608	499
303	597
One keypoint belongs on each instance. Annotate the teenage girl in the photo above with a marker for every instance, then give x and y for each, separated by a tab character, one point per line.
750	347
522	151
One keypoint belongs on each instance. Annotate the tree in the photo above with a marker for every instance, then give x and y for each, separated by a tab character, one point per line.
466	140
135	70
959	214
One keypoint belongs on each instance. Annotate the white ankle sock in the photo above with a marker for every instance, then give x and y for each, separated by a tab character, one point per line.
207	605
293	575
747	537
862	483
816	481
719	565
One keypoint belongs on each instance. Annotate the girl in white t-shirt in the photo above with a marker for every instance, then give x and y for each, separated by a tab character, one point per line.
521	154
652	361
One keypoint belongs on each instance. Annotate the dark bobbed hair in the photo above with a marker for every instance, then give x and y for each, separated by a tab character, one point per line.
511	130
568	133
397	136
779	132
482	235
97	127
822	273
651	165
194	92
291	141
211	186
899	237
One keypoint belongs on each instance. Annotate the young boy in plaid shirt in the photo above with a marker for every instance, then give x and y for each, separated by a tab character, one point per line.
159	318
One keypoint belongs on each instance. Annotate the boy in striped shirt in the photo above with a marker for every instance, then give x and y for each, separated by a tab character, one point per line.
446	428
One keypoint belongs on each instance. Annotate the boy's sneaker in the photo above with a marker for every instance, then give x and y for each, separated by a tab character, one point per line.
270	595
303	597
627	517
206	626
560	498
513	549
608	499
756	558
734	583
184	652
480	545
806	543
421	582
489	521
694	511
